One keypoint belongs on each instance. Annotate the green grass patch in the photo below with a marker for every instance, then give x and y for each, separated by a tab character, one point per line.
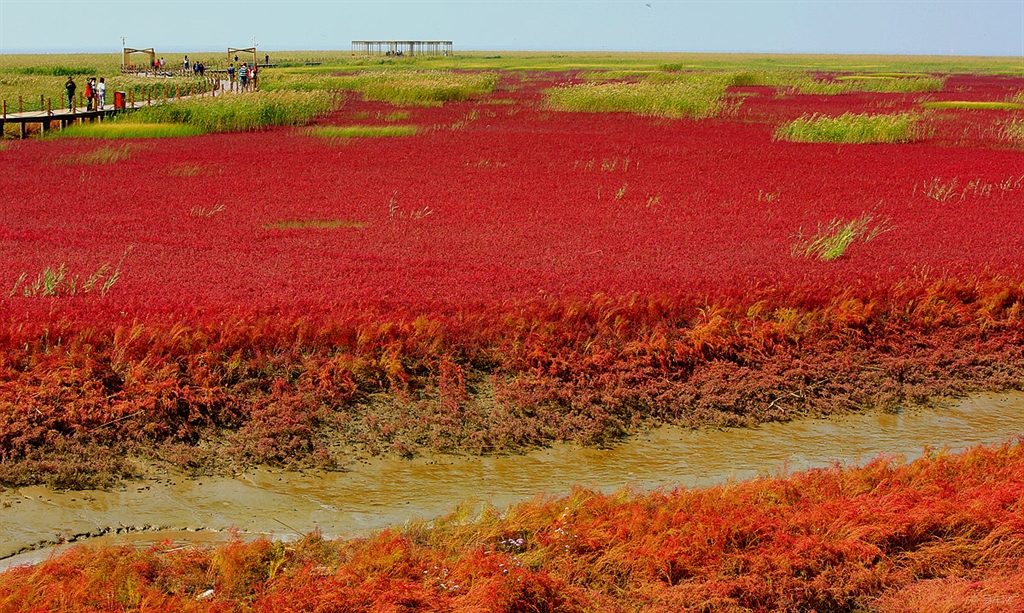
832	240
852	128
972	105
188	169
318	224
397	116
399	87
598	76
60	281
128	129
343	132
879	83
56	71
239	112
1014	131
692	95
100	155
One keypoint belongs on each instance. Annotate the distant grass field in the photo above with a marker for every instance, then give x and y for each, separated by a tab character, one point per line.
35	75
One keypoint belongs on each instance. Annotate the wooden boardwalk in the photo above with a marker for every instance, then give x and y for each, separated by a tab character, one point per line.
61	117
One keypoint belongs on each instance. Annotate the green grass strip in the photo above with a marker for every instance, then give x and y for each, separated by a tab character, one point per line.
972	105
318	224
888	84
852	128
118	129
333	132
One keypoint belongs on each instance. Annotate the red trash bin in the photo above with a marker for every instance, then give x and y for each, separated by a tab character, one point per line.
119	98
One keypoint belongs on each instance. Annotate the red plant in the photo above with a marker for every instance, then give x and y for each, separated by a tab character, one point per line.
945	530
510	276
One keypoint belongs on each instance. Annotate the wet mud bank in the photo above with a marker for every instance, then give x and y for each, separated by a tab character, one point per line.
387	491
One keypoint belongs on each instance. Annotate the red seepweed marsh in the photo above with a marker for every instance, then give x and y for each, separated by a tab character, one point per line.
486	272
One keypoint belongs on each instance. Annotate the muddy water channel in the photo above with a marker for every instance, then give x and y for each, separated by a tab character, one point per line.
368	495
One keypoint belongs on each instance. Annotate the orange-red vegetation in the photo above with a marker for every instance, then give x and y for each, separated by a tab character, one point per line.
943	533
77	397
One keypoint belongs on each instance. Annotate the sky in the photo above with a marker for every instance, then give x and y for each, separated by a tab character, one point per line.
980	27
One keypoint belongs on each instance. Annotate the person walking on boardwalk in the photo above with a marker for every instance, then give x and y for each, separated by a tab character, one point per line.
71	87
88	94
252	77
101	93
231	77
243	78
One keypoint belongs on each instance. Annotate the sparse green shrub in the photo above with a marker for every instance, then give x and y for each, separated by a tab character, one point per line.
100	155
830	242
1014	131
53	282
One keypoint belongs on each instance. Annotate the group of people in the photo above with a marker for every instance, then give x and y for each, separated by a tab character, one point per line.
95	93
197	67
247	76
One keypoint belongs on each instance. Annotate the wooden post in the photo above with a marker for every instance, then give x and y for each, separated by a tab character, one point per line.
49	106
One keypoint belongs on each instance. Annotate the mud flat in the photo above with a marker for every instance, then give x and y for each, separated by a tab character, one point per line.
372	494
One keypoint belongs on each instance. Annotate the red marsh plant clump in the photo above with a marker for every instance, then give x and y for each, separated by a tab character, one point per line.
943	533
501	276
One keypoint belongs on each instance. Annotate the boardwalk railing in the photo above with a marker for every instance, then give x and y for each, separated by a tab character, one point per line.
47	114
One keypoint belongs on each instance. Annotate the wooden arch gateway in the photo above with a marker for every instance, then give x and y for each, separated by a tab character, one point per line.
127	52
233	53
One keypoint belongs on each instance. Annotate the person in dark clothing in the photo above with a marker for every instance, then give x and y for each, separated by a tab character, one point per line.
71	87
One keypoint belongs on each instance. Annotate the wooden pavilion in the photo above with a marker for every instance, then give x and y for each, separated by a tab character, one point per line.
402	47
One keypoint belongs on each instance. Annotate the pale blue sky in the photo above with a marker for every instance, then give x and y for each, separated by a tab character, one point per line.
981	27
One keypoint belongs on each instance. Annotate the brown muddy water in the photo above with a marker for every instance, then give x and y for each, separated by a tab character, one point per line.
373	494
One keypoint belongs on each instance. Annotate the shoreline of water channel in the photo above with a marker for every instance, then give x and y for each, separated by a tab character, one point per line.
370	495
